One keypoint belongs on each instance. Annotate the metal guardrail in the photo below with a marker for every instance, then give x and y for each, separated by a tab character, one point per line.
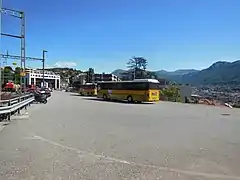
11	106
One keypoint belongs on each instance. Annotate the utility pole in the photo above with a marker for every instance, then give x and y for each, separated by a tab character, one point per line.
43	66
15	65
23	49
19	15
0	81
0	50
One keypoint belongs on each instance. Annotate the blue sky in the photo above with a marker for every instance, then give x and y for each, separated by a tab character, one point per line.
104	34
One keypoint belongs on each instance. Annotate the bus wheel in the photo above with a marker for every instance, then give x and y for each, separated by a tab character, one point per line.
105	97
130	99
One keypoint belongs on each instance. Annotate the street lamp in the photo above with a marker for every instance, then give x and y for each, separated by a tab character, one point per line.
43	65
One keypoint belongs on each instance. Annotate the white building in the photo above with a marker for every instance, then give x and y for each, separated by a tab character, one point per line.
35	77
105	77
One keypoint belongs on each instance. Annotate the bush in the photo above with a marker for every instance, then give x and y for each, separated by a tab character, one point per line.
171	93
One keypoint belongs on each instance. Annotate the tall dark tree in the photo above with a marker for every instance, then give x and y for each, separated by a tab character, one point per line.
137	67
8	74
17	75
137	63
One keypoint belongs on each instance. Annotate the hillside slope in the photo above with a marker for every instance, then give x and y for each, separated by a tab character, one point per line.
221	72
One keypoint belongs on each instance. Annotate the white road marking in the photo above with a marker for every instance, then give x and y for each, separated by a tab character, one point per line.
162	168
77	150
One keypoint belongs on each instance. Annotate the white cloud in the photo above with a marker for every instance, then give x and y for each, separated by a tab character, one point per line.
65	64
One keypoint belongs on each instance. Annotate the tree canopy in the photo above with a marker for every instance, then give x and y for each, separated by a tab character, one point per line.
10	74
171	93
136	68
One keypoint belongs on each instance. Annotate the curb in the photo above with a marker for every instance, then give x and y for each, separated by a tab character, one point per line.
3	125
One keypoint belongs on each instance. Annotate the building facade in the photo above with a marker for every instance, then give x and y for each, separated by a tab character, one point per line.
35	77
81	78
105	77
185	92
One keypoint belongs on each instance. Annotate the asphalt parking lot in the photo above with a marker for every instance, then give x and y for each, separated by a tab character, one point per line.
74	137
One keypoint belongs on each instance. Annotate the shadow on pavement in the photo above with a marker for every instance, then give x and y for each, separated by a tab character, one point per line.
114	101
91	98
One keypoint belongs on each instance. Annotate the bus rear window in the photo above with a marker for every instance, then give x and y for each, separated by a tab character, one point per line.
154	86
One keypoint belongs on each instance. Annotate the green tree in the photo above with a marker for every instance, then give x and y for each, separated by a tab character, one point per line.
8	74
172	93
137	67
2	74
17	75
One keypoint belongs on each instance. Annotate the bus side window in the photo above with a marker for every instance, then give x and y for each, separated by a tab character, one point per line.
128	86
108	86
118	86
141	86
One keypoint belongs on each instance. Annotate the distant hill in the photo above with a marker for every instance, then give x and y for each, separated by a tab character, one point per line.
119	72
163	73
169	75
179	72
65	73
221	72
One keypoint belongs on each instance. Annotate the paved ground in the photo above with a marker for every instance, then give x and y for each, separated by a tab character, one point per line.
75	138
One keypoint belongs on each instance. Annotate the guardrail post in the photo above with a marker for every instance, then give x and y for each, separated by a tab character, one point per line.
19	99
31	95
27	97
9	114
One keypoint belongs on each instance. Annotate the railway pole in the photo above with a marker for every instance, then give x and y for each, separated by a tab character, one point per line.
43	67
0	50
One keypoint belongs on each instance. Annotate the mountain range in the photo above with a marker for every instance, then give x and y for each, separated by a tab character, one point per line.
221	72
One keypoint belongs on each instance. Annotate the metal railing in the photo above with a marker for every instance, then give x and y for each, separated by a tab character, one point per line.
14	105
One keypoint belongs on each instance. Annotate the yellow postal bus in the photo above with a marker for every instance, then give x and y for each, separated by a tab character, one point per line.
88	89
140	90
